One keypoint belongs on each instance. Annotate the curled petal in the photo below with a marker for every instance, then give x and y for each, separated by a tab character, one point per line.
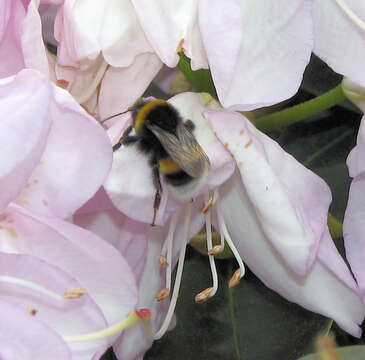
338	39
265	50
318	291
178	27
24	337
290	201
356	160
100	269
24	126
75	162
353	231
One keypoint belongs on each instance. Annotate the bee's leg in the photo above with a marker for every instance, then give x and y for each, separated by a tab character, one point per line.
158	187
126	139
189	125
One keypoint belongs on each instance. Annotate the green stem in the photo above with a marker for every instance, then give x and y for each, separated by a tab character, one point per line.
233	320
299	112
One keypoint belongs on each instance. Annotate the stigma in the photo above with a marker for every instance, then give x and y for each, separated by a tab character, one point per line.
211	205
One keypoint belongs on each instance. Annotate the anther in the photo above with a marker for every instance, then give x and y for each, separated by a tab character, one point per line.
204	295
74	293
235	279
217	249
206	208
163	294
163	261
32	311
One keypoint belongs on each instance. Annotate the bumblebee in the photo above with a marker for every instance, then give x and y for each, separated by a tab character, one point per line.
159	132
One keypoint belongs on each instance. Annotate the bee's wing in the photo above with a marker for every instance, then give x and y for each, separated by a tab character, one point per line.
183	149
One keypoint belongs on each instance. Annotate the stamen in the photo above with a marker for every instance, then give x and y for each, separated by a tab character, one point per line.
349	12
32	311
94	84
31	285
163	294
179	271
217	249
207	293
235	279
133	318
62	83
74	293
204	295
163	261
208	205
169	240
224	231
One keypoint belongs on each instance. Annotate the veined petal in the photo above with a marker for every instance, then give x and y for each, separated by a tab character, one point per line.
44	286
353	230
177	27
338	39
290	201
18	340
318	291
264	62
356	159
75	163
100	269
24	126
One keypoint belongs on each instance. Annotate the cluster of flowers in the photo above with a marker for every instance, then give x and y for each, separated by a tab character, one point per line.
78	255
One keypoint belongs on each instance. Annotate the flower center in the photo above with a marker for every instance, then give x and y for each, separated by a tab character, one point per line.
349	12
211	202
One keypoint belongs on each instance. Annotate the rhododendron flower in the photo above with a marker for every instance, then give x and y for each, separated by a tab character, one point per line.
247	44
335	22
107	61
269	209
48	144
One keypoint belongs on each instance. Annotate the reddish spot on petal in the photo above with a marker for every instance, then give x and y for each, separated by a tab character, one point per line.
242	131
35	181
62	83
45	202
248	144
11	231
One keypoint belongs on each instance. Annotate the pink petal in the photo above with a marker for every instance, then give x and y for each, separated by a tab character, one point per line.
121	87
75	163
128	236
353	231
11	57
322	290
24	337
177	26
338	40
95	264
274	182
24	101
356	159
65	316
261	60
85	29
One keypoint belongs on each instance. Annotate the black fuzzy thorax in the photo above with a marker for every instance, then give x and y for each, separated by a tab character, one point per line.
167	118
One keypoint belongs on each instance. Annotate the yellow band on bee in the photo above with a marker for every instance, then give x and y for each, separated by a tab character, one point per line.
141	116
168	166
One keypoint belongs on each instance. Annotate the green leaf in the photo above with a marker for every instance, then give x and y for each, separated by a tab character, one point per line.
356	352
200	80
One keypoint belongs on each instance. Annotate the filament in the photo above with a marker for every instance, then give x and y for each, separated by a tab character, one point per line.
353	17
208	227
223	228
31	285
169	241
179	271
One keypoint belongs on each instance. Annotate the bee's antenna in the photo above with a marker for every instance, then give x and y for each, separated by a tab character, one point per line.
112	116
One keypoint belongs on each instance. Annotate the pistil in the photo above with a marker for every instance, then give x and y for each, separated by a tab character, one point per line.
349	12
